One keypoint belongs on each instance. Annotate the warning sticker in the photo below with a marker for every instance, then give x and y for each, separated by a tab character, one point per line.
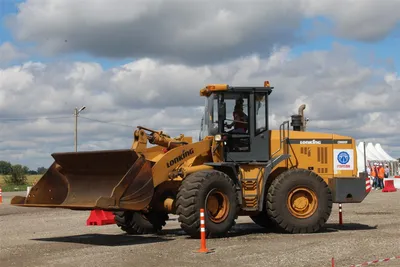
343	160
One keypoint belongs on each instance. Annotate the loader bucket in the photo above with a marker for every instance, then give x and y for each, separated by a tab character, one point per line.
108	180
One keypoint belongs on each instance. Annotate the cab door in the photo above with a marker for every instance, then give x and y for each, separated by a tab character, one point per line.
253	144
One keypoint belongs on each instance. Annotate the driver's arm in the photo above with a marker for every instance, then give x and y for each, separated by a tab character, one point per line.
230	125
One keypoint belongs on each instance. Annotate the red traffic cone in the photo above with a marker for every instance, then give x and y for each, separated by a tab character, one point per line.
100	217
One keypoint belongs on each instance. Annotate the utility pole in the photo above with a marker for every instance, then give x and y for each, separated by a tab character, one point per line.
76	113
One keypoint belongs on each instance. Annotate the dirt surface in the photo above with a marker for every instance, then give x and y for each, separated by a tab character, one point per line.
53	237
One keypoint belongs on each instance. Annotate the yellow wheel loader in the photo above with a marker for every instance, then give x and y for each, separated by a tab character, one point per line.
285	178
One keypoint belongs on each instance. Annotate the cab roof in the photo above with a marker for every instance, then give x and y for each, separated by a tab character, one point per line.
213	88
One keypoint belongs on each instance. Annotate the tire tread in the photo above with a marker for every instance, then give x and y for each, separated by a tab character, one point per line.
189	217
272	202
126	221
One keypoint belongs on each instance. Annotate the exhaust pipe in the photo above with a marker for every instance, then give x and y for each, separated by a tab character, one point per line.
301	113
298	121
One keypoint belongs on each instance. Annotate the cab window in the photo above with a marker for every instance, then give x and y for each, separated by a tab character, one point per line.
261	111
237	112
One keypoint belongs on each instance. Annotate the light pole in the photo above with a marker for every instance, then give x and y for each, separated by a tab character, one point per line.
76	113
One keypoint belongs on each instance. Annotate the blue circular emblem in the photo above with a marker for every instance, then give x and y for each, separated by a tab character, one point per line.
343	157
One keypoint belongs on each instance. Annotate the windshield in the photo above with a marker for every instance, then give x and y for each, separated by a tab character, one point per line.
209	123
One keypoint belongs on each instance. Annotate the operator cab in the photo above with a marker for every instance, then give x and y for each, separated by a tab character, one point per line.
238	116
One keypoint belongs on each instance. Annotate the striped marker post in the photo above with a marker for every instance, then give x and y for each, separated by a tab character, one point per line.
340	214
375	261
203	247
368	185
1	197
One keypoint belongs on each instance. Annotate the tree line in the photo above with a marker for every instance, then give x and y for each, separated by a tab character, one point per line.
16	173
6	168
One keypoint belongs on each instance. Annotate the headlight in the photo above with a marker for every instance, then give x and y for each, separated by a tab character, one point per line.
217	137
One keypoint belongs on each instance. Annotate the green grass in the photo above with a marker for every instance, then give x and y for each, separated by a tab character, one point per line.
10	188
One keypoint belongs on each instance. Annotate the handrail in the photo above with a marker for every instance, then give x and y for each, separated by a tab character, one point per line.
282	136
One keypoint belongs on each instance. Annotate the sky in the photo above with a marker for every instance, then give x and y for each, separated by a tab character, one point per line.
136	62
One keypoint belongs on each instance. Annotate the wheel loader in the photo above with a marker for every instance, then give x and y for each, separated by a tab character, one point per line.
285	178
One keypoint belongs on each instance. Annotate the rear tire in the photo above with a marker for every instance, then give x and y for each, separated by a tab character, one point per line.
299	201
216	193
139	223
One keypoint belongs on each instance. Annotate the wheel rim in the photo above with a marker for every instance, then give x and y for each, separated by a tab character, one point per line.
217	206
302	202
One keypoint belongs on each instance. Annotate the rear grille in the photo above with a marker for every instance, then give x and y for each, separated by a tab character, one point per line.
322	155
322	170
305	151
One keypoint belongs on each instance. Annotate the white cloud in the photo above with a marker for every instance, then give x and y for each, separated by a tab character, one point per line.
9	53
201	32
340	98
362	20
171	30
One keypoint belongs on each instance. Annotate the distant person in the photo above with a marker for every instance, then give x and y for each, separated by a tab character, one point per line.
374	174
387	171
381	175
371	179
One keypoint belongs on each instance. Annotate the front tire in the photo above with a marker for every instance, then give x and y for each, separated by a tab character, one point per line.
299	201
139	223
216	193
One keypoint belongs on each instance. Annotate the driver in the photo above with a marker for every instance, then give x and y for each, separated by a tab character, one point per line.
240	118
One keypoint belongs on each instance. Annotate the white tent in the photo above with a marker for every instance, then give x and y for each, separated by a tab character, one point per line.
376	154
360	160
382	155
371	150
369	155
393	163
379	148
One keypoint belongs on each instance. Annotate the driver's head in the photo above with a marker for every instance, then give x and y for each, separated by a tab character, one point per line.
239	101
239	105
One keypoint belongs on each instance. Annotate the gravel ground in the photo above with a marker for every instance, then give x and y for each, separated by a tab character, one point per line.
54	237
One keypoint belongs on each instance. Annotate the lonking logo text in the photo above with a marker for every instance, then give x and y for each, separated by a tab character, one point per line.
185	154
